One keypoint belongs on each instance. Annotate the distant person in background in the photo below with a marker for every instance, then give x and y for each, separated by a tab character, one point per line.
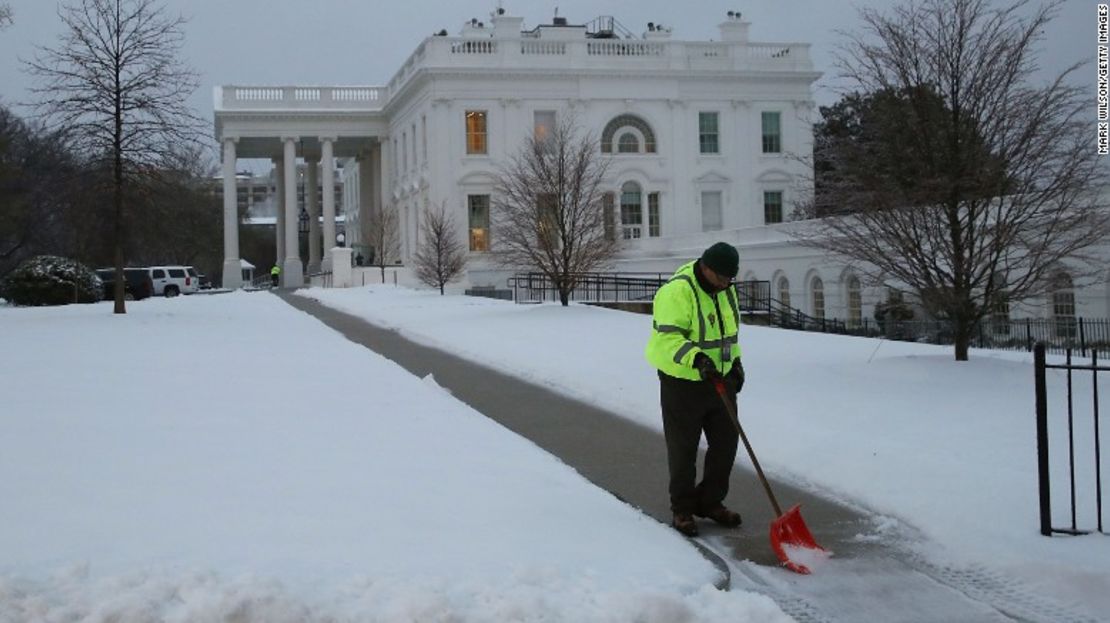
275	274
694	346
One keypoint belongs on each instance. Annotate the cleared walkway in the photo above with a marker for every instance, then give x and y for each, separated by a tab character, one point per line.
868	580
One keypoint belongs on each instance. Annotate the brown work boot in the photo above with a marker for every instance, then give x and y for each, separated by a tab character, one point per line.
685	524
722	516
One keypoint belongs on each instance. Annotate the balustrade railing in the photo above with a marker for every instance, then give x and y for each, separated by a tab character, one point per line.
584	53
293	97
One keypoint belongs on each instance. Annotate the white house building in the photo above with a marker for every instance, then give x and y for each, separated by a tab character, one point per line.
702	138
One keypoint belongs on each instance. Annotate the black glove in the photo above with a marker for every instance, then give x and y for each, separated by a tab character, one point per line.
704	365
737	374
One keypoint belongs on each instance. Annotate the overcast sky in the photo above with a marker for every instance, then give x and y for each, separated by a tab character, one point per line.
279	42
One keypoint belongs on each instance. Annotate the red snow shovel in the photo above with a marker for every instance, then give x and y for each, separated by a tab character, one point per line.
788	530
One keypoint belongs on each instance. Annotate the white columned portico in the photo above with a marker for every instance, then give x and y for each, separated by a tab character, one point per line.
327	159
279	211
232	272
312	206
292	271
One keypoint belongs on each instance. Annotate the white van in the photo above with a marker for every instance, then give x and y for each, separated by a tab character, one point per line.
173	280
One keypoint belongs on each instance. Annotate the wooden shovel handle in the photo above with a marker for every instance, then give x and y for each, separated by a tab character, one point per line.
729	406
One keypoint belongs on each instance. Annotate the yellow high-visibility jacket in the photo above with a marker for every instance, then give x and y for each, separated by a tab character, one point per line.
686	320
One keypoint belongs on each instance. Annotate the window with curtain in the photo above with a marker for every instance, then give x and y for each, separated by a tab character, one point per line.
543	124
711	210
476	132
772	132
817	287
1063	305
784	291
708	137
855	302
478	216
772	207
653	215
632	214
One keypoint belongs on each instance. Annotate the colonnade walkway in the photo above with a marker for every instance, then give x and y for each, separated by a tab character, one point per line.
872	577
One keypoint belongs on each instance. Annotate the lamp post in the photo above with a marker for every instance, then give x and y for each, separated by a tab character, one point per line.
340	240
302	229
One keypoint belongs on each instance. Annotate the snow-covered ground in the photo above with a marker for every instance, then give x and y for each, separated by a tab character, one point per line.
901	429
206	458
227	458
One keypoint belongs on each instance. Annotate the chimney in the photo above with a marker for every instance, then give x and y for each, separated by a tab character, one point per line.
734	29
506	26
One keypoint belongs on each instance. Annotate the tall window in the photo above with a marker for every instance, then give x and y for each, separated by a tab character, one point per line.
1063	305
784	291
547	208
478	216
628	144
543	124
608	210
404	151
818	288
476	132
772	132
653	215
772	206
632	213
710	210
412	147
708	139
424	137
855	302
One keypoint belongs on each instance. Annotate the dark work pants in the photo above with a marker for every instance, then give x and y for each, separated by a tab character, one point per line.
690	408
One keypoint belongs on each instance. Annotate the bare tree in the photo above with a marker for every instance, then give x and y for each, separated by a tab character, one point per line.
970	185
548	211
383	233
5	15
115	85
441	255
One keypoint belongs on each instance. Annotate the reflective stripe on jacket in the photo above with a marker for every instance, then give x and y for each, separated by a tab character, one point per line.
686	320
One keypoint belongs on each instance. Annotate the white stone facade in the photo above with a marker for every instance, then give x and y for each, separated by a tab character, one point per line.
704	137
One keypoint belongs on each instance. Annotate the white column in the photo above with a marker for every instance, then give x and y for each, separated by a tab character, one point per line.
313	207
292	270
279	210
232	272
327	159
367	208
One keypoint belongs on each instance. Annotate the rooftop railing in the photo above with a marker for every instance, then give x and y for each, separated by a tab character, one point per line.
524	53
616	54
362	98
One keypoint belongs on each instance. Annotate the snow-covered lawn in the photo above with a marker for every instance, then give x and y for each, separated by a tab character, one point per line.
901	429
229	458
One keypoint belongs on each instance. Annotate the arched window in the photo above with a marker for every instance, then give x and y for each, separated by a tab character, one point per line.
628	144
784	291
632	212
1063	304
817	287
612	131
855	302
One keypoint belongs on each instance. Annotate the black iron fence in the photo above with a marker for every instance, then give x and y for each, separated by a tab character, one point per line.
590	287
534	287
1043	459
1082	335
